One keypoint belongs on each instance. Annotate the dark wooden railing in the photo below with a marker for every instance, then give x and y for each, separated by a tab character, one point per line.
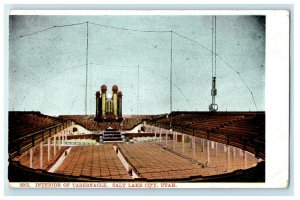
19	145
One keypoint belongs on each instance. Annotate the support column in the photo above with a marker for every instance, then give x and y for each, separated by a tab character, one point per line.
182	144
216	149
59	141
245	160
208	152
63	138
174	139
160	135
212	144
241	152
41	155
166	138
194	146
225	148
30	157
234	152
54	144
228	159
48	149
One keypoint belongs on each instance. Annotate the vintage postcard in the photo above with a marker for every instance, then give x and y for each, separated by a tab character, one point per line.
146	99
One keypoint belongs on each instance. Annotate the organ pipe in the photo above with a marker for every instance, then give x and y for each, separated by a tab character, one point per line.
103	91
97	103
115	101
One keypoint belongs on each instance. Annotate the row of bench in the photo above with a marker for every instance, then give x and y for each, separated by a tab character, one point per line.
242	130
24	123
93	161
151	161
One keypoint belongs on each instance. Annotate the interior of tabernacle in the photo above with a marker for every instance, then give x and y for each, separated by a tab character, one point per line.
201	146
176	98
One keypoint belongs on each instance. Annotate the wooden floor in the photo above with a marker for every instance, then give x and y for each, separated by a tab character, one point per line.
155	160
99	161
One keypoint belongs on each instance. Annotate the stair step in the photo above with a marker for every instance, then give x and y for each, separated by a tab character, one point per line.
112	136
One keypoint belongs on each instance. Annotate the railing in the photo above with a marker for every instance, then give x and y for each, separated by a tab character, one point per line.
20	145
251	144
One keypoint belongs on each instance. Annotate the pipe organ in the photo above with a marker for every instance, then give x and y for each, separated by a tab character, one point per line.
108	109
